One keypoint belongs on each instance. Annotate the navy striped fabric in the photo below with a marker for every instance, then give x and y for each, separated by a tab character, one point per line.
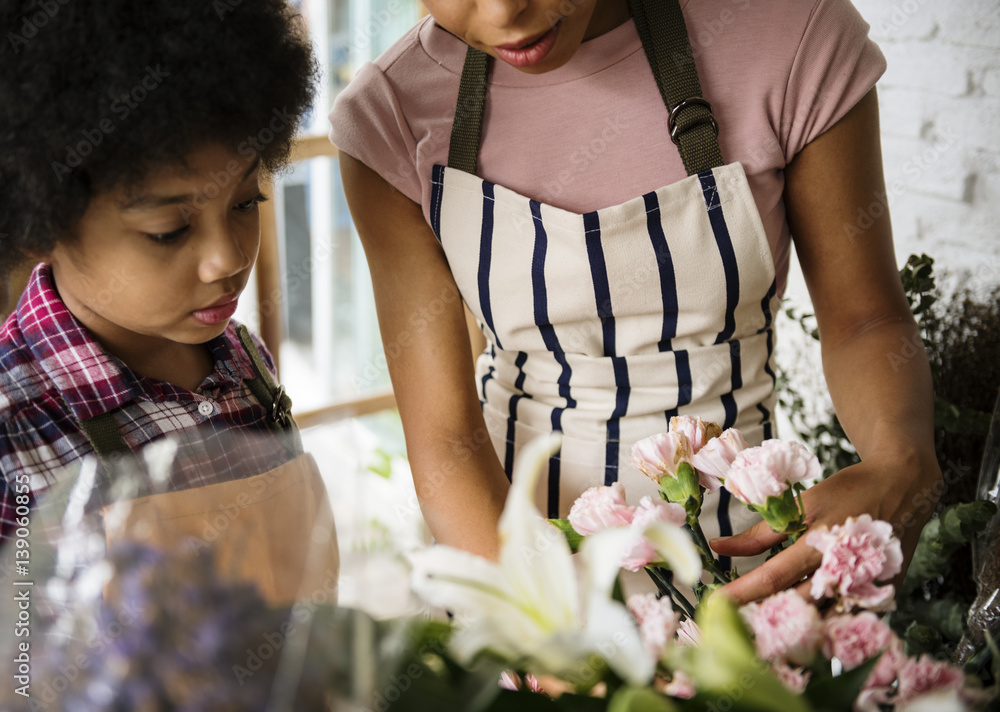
485	259
726	251
437	196
548	332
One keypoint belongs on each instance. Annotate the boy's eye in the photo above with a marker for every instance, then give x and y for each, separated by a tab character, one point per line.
247	205
166	238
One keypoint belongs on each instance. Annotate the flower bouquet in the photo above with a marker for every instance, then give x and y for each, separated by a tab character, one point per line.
551	613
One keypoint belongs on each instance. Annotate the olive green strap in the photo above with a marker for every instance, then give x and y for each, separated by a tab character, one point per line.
660	24
104	436
270	395
466	129
661	28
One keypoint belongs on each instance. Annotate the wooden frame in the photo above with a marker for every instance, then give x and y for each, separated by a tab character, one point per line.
269	282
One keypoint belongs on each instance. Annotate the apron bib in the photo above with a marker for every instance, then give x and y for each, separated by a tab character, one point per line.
604	325
274	530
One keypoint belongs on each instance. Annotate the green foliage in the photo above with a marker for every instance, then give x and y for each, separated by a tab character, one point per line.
953	529
572	537
827	693
640	699
381	463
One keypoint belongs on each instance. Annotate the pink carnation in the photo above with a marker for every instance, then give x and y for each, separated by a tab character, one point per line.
767	471
600	508
785	627
650	510
680	686
696	430
657	621
688	633
510	680
659	455
919	676
794	679
712	461
888	666
856	554
853	639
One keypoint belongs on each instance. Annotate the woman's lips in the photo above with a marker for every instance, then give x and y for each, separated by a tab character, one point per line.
219	312
531	51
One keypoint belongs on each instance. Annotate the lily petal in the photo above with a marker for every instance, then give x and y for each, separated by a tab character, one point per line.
535	558
677	549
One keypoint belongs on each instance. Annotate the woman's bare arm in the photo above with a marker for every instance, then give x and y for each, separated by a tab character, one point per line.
459	481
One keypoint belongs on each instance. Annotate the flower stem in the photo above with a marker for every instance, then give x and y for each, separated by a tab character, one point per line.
707	557
666	586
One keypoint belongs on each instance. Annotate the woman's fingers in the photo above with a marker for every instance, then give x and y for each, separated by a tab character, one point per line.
786	569
750	542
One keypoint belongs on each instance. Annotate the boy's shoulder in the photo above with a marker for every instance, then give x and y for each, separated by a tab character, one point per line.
23	378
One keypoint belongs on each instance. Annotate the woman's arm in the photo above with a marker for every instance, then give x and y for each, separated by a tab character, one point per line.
459	481
883	399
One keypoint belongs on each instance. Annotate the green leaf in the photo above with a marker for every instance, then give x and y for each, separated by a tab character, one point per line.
975	516
921	639
838	693
382	463
640	699
573	538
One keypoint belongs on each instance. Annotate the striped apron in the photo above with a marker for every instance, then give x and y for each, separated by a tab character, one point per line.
605	324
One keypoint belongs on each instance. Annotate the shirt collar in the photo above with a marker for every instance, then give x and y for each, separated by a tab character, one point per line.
90	380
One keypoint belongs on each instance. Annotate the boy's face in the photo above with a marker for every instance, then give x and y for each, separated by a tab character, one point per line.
534	36
163	264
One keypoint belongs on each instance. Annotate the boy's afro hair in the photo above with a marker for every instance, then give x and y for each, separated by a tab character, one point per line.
96	93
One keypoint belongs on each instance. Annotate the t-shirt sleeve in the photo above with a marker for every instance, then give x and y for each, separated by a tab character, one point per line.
367	123
835	65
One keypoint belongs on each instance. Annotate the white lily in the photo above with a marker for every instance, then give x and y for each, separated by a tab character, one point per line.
533	607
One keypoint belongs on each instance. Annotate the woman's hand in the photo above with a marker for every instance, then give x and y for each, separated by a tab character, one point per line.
902	492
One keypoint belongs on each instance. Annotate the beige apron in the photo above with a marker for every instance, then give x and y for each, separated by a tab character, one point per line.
274	530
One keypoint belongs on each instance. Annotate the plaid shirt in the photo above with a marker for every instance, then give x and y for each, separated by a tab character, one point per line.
53	374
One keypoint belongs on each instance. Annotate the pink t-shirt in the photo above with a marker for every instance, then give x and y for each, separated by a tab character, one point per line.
593	133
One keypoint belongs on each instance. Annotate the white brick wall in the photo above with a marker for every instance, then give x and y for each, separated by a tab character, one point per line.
940	106
940	109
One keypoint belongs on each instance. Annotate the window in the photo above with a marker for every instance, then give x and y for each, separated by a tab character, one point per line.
313	299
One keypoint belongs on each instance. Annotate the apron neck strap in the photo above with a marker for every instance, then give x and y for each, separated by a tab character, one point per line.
270	395
104	436
692	126
661	28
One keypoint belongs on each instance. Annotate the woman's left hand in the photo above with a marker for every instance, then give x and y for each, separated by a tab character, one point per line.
900	491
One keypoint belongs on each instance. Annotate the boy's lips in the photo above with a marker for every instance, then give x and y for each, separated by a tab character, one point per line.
530	50
219	311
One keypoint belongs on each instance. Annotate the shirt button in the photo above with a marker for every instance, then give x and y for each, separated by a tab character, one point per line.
206	408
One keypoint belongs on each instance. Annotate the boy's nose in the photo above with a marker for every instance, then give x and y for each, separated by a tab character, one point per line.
223	256
502	13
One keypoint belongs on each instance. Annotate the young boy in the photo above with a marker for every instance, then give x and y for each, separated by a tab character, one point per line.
133	138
